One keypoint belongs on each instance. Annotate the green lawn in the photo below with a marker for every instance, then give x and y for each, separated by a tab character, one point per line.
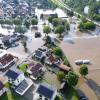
7	85
23	67
71	94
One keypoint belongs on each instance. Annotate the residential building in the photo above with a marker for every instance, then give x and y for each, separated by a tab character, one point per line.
6	61
45	92
35	71
15	78
10	40
19	82
39	54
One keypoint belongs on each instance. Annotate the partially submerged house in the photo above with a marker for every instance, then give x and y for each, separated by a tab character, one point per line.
45	92
15	78
10	40
6	61
39	54
18	81
52	60
56	63
35	71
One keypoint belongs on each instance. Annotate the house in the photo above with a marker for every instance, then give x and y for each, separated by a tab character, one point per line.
45	92
52	60
50	40
10	40
15	78
6	61
39	54
2	89
35	71
18	81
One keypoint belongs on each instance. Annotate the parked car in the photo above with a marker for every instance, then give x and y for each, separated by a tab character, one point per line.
37	34
81	95
86	61
78	62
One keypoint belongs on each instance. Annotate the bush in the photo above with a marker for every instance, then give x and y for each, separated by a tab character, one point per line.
72	78
66	62
34	21
60	75
58	52
58	98
46	29
87	26
83	70
59	29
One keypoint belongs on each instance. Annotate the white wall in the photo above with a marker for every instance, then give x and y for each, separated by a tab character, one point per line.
20	78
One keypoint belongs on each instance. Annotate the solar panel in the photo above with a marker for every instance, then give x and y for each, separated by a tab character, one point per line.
12	74
22	86
46	92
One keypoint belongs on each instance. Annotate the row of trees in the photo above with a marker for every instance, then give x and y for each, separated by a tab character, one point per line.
72	77
86	25
26	23
79	5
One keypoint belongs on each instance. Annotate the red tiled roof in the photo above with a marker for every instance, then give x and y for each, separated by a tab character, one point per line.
6	59
51	59
36	70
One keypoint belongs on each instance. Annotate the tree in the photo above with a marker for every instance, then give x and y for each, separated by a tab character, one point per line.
87	26
2	22
46	29
72	78
41	17
20	29
83	19
96	17
58	52
50	19
34	21
70	13
27	24
66	24
17	22
8	22
66	62
83	70
60	75
56	21
59	29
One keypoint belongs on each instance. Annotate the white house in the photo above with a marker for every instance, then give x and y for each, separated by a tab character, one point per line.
18	81
86	9
15	78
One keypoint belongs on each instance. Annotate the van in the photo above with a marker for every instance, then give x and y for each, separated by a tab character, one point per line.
78	62
86	61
